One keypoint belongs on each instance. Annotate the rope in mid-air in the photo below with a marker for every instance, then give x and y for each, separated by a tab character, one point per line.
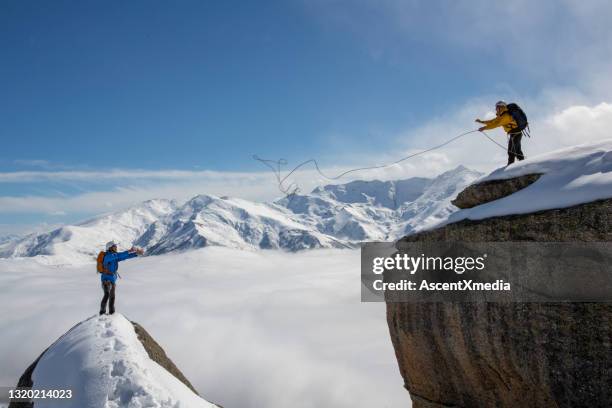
291	189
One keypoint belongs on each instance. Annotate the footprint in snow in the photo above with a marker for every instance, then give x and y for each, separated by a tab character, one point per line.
119	369
118	346
129	393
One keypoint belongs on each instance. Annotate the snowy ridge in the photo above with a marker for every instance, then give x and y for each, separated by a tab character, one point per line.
232	222
8	238
333	216
375	210
80	242
570	176
104	364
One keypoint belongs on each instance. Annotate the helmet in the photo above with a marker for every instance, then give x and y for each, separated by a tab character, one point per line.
501	104
110	244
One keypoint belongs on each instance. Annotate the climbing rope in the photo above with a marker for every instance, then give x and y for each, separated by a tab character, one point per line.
491	139
292	189
501	146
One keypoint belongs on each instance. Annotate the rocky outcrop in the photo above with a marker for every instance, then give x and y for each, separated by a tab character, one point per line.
491	190
584	222
504	355
508	354
157	354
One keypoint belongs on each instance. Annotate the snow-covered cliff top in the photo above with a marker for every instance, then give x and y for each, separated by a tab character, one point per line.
570	176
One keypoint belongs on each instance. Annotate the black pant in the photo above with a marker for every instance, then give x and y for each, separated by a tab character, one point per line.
514	147
109	294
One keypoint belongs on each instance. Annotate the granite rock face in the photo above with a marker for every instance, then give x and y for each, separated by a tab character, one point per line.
508	355
157	354
487	191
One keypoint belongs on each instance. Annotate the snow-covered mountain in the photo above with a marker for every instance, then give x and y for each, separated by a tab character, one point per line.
232	222
375	210
8	238
333	216
86	238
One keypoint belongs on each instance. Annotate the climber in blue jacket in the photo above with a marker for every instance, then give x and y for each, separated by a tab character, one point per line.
108	273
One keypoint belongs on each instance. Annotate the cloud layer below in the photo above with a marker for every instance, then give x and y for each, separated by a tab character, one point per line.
249	329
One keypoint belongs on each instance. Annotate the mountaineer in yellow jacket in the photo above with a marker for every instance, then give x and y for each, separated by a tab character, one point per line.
505	119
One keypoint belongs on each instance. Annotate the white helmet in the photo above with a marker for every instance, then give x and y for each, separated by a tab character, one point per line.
110	244
501	104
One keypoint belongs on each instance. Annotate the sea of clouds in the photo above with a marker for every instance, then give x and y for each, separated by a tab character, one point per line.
249	329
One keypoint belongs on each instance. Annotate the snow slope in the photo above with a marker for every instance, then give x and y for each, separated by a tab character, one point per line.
374	210
104	364
570	176
334	216
8	238
74	243
231	222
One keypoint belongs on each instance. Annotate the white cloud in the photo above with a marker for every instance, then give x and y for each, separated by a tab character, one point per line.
580	123
115	174
247	186
564	39
249	329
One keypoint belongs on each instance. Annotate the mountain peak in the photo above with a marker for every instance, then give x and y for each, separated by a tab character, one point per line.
158	202
200	200
103	359
461	169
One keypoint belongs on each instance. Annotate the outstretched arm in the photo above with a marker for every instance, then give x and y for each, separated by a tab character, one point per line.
495	122
122	256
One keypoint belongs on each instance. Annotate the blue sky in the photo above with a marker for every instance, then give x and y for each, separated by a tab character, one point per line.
199	86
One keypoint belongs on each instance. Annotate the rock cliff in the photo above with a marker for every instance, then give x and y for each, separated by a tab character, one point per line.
508	355
484	192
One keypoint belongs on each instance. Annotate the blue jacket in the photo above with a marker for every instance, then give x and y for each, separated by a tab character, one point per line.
111	263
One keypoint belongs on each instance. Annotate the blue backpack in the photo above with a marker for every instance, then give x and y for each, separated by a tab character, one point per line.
519	116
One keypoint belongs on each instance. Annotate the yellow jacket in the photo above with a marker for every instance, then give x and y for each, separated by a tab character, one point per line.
505	120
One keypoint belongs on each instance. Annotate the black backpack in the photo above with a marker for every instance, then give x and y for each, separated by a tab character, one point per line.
519	116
